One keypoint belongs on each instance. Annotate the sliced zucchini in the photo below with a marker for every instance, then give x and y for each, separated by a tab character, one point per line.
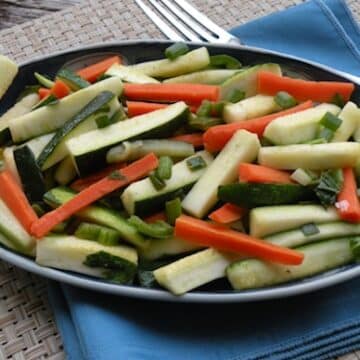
73	254
310	156
84	121
5	242
89	150
192	61
31	177
22	107
350	116
265	220
71	79
298	127
249	108
37	122
44	81
193	271
65	172
210	77
319	257
14	232
8	156
297	237
246	80
252	195
8	71
159	248
38	144
142	198
98	215
130	75
304	177
243	147
129	151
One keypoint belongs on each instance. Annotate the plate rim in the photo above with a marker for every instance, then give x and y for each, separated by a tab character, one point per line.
101	285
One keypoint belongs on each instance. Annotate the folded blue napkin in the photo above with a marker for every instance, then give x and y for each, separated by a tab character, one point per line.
317	326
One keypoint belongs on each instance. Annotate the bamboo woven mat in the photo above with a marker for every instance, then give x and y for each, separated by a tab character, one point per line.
27	328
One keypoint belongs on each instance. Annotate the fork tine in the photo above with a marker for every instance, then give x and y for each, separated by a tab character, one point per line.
162	25
176	23
202	19
184	16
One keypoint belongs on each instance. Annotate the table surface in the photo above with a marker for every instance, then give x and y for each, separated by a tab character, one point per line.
13	12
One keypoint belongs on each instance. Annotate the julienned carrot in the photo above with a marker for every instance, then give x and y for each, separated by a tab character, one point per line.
190	93
348	205
216	137
321	91
83	183
218	236
155	217
92	72
118	179
16	201
195	139
262	174
136	108
43	93
60	89
227	214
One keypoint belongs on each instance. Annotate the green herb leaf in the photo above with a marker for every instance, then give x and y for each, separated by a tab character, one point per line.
309	229
196	163
225	62
176	50
285	100
329	186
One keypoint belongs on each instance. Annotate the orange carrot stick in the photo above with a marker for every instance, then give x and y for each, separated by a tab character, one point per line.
83	183
43	93
119	179
190	93
92	72
60	89
348	205
216	137
136	108
218	236
262	174
16	201
321	91
195	139
227	214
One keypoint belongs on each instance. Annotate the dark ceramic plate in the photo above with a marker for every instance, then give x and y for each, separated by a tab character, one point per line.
138	51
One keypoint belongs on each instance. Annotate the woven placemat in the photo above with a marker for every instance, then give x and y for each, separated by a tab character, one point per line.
27	328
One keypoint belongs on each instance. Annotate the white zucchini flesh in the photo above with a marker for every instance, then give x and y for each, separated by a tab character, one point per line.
159	248
69	253
11	228
310	156
193	271
246	80
209	77
192	61
37	144
350	116
250	108
10	164
22	107
296	237
274	219
37	122
8	71
303	177
319	257
181	176
298	127
243	147
127	74
65	172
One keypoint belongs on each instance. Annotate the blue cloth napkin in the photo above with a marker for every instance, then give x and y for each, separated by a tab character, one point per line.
317	326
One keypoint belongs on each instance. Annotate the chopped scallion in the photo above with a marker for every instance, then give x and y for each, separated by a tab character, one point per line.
203	122
99	233
173	210
235	96
157	183
285	100
204	109
196	163
338	100
329	186
157	230
224	61
217	108
164	170
176	50
330	121
309	229
325	134
102	121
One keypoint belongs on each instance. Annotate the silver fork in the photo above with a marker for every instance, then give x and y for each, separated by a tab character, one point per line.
190	24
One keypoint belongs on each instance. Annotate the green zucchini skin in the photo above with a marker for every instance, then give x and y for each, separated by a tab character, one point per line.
30	174
92	107
93	161
253	195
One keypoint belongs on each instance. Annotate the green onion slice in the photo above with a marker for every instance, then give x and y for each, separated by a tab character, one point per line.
157	183
157	230
330	121
224	61
196	163
285	100
164	170
173	210
204	109
235	96
176	50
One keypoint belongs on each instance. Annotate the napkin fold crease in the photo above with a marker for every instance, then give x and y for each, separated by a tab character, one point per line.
315	326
